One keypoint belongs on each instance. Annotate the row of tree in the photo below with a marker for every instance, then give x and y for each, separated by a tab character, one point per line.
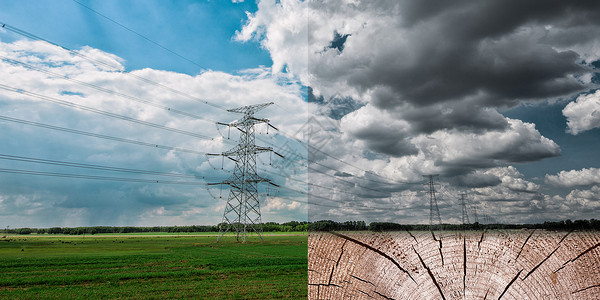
327	225
267	227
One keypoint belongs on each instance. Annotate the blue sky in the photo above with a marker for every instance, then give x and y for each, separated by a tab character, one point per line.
503	106
578	151
201	31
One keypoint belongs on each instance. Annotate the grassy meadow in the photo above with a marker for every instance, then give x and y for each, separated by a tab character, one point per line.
153	267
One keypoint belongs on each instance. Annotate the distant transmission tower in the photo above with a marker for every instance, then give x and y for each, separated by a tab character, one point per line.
475	212
242	212
434	211
465	216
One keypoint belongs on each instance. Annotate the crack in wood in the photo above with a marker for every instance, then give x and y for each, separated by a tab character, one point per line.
587	288
363	280
508	285
538	265
566	235
338	261
411	235
464	265
430	274
527	239
331	274
578	256
480	240
547	257
342	253
323	284
311	270
440	246
384	296
365	293
376	251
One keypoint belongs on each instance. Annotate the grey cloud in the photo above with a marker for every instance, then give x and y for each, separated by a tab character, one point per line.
380	139
495	51
475	180
462	117
335	107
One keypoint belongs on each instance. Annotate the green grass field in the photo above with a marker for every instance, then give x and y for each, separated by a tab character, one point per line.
153	267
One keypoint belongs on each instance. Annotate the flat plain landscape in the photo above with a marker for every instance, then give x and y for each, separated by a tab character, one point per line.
153	267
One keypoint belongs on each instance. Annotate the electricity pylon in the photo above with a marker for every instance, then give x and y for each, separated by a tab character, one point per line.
465	216
242	211
434	211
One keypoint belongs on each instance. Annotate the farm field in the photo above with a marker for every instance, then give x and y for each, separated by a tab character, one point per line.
159	267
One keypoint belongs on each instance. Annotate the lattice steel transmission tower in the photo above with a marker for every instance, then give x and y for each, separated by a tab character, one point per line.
434	211
242	211
465	216
475	212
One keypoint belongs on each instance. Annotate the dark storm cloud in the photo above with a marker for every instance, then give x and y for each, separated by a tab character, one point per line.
498	16
491	50
381	140
433	66
462	117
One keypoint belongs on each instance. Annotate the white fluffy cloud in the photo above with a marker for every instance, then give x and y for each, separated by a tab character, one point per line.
283	30
97	202
583	114
586	176
450	152
587	201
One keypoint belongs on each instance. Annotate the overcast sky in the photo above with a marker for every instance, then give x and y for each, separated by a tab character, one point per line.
498	97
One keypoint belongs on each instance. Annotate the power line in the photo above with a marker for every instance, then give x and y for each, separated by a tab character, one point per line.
388	180
108	91
359	168
343	180
98	62
364	178
146	80
94	177
34	37
332	200
101	136
330	188
138	34
94	166
102	112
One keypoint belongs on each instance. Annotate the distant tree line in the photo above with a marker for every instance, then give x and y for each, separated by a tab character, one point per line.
329	225
267	227
295	226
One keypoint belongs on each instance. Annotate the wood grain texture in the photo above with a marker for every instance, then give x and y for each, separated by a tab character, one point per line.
520	264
